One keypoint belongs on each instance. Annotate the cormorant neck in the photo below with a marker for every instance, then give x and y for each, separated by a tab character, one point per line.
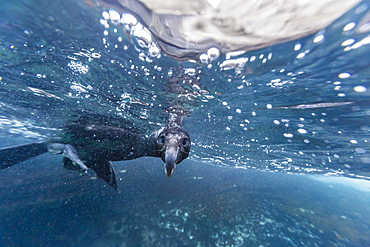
176	114
175	120
150	145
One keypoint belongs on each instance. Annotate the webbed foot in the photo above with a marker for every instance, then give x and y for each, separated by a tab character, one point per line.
71	160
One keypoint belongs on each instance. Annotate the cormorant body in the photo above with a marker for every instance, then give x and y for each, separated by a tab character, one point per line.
88	144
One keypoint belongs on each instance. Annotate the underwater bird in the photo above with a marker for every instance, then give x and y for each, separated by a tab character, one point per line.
88	143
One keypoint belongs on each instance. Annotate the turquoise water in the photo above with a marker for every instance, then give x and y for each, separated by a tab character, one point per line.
280	145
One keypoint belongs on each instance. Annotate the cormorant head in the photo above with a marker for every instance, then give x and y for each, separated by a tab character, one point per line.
173	147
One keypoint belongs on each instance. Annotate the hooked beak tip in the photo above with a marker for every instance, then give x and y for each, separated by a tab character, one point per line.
169	173
169	168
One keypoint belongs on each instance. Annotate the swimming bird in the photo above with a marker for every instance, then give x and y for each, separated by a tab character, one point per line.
87	143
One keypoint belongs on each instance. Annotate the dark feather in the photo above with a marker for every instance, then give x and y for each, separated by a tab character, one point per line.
105	171
11	156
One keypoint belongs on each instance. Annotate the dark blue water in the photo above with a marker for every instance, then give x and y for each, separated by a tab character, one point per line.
43	205
300	107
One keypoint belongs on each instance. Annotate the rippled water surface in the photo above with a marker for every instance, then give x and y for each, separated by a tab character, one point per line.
297	107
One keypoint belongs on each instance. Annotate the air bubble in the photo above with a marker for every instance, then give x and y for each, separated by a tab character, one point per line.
302	131
143	37
301	55
360	89
360	150
344	75
318	38
114	17
297	47
105	15
288	135
348	42
213	53
128	19
203	58
349	26
154	51
228	64
95	55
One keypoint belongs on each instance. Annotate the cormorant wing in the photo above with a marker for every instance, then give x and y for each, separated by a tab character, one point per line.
11	156
105	171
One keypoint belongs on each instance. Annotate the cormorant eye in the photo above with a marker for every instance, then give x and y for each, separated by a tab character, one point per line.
185	142
161	140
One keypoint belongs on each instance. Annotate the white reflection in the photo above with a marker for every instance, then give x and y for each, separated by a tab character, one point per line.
356	45
348	42
360	89
128	19
154	51
344	75
360	150
301	55
78	67
213	53
358	184
366	40
114	17
214	3
203	58
318	38
349	26
288	135
302	131
105	15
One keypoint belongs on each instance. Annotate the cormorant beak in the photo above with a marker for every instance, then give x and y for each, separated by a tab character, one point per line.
171	158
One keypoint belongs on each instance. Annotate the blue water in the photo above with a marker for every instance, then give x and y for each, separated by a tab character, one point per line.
280	153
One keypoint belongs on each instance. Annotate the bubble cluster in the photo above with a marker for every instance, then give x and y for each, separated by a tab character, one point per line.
134	30
238	63
212	54
78	67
